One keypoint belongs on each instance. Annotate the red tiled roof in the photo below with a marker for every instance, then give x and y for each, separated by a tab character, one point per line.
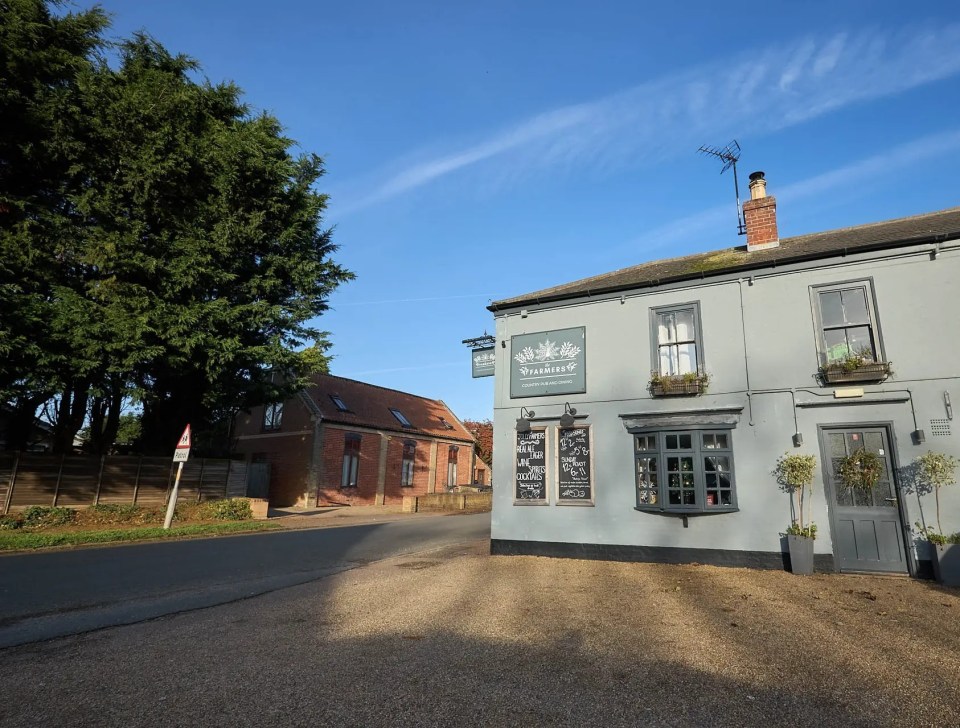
369	406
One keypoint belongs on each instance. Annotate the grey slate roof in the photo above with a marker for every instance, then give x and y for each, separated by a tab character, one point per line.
930	227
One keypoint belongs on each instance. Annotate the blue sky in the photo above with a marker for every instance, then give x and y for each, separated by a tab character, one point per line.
478	151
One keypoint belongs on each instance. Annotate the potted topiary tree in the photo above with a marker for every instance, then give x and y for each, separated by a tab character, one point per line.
795	475
935	471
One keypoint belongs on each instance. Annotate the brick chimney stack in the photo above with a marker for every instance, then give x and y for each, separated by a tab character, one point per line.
760	216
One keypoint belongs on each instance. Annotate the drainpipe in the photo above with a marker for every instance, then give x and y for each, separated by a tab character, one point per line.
746	357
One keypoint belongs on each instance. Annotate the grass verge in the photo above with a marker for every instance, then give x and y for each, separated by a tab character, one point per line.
18	540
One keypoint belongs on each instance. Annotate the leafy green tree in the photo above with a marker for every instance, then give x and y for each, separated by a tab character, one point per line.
41	57
188	257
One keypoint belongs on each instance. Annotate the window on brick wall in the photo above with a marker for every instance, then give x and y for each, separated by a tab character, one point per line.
351	461
406	467
452	453
272	415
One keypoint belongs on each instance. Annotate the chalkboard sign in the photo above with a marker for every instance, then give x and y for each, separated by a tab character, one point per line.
531	478
573	465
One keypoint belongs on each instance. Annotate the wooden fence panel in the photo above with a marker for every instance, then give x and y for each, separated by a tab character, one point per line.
78	481
119	479
36	481
213	481
40	479
7	461
190	481
237	479
155	478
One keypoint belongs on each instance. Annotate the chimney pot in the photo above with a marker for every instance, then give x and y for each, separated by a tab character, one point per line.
760	216
758	186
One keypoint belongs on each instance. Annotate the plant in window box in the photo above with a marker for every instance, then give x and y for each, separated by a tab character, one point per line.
663	385
795	475
935	471
861	469
855	366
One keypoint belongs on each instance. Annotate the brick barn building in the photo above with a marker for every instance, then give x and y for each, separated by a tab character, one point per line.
344	442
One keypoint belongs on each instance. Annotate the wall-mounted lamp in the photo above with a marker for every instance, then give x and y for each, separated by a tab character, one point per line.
566	419
797	439
919	437
523	422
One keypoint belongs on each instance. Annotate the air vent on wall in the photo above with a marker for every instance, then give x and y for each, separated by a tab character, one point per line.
940	428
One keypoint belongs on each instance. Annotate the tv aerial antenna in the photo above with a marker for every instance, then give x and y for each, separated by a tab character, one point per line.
729	156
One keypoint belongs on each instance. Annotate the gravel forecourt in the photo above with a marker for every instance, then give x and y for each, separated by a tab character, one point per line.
457	637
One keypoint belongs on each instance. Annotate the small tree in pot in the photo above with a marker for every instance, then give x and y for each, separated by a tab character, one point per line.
795	475
936	470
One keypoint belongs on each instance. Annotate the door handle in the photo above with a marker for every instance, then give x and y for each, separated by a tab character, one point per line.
891	500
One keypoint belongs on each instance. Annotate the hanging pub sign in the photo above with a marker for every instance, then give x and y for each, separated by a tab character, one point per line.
549	362
574	484
483	360
530	480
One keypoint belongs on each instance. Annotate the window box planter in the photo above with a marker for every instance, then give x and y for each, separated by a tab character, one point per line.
680	385
868	372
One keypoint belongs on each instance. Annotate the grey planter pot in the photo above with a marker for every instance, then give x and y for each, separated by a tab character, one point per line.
801	554
946	564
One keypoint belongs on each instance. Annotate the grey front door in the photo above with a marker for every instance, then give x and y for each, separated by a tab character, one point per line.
865	524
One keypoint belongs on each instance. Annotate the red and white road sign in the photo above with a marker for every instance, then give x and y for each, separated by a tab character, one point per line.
183	447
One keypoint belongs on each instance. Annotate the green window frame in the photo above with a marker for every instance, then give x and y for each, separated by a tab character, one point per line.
685	471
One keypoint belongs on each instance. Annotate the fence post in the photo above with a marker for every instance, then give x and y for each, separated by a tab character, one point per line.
13	479
200	481
226	480
96	497
136	481
56	490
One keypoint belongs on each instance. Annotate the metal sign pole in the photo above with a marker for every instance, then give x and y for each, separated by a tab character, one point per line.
180	456
171	506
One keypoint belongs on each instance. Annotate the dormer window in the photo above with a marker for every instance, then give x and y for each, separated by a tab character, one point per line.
446	424
401	418
339	403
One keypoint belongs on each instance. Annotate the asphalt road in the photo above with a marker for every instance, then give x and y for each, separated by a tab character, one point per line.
52	594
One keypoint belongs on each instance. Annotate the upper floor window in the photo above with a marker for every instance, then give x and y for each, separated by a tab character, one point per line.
685	471
406	466
676	339
446	425
272	415
847	327
401	418
339	403
351	461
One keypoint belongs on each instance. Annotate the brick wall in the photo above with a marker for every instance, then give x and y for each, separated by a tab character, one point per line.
367	473
393	491
289	458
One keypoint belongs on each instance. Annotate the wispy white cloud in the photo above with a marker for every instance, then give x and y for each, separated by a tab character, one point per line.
694	227
766	90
